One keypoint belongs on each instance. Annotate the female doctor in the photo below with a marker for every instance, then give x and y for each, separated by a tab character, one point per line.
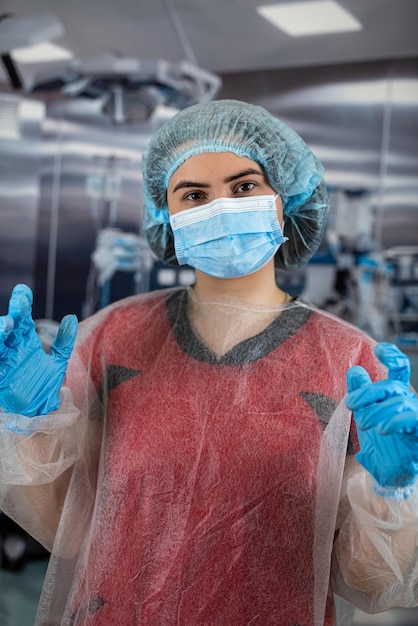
201	463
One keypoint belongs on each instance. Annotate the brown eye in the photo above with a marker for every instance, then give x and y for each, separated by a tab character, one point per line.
245	187
194	196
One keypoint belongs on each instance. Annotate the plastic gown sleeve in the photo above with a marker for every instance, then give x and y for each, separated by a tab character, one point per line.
37	457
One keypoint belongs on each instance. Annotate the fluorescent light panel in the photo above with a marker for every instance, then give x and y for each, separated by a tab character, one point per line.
310	18
41	52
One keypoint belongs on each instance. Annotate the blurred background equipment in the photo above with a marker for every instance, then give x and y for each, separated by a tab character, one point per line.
402	302
116	251
128	89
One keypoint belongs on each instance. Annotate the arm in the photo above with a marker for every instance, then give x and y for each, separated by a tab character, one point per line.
375	558
38	422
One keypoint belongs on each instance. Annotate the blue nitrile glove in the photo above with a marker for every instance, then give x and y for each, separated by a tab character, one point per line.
30	379
386	415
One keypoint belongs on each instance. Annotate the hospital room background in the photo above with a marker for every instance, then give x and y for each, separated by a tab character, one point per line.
73	129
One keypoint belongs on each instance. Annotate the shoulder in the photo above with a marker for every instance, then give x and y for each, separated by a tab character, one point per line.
126	314
340	341
331	324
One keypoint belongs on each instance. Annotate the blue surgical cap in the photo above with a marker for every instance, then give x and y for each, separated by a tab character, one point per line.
247	130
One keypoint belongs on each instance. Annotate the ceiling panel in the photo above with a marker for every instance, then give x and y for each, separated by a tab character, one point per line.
224	35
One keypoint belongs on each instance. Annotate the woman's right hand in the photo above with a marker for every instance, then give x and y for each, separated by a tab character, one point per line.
31	379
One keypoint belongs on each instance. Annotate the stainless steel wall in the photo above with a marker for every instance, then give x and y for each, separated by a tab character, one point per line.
20	157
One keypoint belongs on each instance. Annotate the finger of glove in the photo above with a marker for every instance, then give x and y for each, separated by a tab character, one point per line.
64	341
374	393
20	309
380	415
6	326
403	420
356	378
20	302
398	364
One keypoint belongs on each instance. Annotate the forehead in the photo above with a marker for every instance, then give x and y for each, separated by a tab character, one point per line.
209	165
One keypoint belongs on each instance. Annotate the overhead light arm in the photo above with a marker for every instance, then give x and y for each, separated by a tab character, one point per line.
12	71
124	83
130	89
180	32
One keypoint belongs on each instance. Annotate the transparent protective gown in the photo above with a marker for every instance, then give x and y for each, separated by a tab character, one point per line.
200	472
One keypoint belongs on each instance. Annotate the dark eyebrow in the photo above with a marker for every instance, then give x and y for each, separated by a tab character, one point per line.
189	183
246	172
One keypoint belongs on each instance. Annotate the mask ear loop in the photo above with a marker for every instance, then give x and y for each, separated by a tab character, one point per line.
282	224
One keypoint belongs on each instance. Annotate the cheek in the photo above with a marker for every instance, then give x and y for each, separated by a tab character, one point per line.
173	206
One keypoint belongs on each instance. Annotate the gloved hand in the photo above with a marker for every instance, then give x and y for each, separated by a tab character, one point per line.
386	415
30	379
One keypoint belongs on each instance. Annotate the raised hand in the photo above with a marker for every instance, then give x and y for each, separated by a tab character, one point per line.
30	379
386	415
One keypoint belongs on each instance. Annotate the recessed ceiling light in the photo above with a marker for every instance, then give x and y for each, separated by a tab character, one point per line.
41	52
310	18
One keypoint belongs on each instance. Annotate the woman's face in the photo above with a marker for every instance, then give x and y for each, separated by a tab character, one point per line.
211	175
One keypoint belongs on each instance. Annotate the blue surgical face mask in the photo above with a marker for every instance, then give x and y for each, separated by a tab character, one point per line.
228	237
